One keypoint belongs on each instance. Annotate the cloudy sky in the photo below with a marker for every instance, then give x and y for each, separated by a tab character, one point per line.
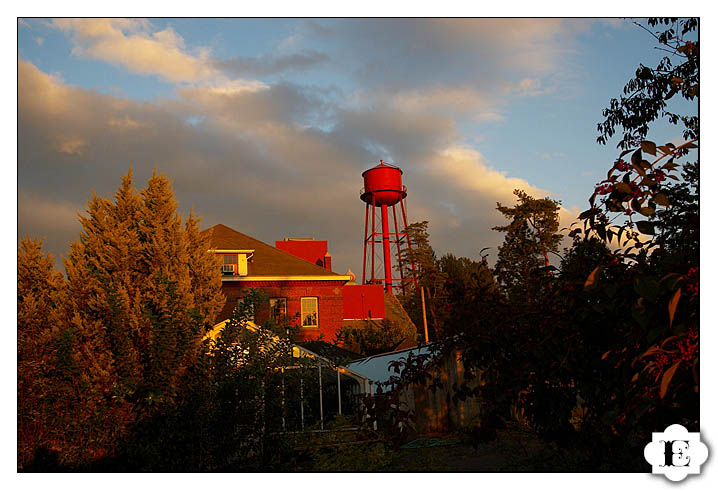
266	125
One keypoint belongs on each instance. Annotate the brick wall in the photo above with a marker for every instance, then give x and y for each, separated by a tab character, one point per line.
329	302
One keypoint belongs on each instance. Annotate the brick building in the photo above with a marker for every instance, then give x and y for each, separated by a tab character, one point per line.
297	280
300	289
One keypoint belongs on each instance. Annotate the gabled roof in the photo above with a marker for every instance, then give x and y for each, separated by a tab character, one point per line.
267	260
330	351
377	368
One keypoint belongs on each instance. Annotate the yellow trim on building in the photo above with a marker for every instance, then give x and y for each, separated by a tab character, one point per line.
290	278
232	251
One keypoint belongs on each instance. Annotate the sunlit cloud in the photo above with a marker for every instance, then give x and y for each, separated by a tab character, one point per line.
257	161
130	43
133	44
71	146
466	168
125	122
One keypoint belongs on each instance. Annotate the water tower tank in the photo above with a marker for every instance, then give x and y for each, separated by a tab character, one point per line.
381	192
382	185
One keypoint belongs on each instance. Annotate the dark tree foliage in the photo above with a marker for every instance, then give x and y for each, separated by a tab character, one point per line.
661	261
428	277
531	235
600	354
231	406
449	282
646	97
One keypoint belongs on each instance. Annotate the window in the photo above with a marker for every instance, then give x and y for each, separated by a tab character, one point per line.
278	309
230	260
309	312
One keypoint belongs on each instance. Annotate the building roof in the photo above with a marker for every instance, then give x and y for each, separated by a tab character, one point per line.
378	368
330	351
267	260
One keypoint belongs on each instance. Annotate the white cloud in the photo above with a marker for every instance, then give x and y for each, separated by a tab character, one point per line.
133	44
466	168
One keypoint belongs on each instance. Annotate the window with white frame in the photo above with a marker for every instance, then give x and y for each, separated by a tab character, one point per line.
310	316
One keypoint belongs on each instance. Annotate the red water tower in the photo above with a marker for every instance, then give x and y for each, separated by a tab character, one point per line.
383	190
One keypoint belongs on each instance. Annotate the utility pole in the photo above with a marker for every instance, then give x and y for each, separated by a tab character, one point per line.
423	311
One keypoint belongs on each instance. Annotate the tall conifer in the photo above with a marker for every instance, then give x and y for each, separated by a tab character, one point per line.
110	345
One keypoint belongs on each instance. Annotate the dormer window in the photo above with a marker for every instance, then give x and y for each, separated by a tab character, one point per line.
234	261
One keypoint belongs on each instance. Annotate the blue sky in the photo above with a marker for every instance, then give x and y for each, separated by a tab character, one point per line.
265	125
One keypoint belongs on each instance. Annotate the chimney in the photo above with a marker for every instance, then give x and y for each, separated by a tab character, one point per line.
328	261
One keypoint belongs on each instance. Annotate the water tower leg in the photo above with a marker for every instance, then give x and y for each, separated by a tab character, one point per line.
373	235
398	252
387	250
366	239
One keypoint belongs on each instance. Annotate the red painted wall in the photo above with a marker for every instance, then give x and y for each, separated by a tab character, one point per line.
329	303
309	250
363	301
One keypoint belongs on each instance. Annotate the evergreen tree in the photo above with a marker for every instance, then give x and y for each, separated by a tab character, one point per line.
110	346
530	236
39	293
428	276
148	284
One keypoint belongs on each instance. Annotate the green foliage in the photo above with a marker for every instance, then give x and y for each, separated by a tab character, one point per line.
530	236
373	337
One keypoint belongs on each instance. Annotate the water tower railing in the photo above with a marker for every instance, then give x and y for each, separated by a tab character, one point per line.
362	191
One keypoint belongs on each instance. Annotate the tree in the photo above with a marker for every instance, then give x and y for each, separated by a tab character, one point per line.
141	292
645	97
374	337
149	285
597	356
44	349
468	287
663	260
428	276
530	236
227	416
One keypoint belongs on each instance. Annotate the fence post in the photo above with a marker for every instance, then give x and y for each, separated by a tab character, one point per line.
321	403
